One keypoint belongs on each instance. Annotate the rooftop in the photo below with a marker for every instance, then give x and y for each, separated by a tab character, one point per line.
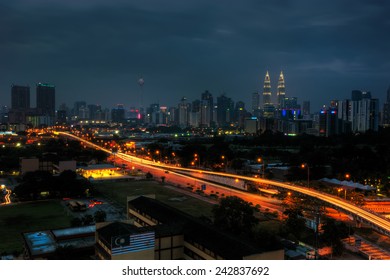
197	231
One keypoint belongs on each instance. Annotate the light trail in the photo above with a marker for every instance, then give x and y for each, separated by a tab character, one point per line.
7	197
377	221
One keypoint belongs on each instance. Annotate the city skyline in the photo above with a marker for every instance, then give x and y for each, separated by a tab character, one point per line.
98	51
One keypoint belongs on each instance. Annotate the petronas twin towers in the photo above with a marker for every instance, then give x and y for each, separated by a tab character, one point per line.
280	93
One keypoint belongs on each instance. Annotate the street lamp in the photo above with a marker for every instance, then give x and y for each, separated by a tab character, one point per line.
158	156
197	158
261	160
305	165
347	177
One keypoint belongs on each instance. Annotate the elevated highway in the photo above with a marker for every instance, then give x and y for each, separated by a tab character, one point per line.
374	220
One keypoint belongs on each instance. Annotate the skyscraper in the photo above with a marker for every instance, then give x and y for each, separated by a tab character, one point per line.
118	114
306	108
281	91
267	90
206	109
46	101
328	124
386	110
255	102
20	97
183	113
363	111
77	106
225	110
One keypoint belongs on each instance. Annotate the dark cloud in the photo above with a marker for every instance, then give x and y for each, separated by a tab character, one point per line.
96	50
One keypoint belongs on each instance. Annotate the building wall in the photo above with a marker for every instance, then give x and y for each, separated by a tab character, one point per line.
271	255
66	165
141	255
169	247
29	165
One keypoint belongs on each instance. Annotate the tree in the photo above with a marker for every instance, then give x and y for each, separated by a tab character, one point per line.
333	233
100	216
76	222
87	220
294	222
235	215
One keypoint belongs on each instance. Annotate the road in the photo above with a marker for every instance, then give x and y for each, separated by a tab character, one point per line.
186	182
373	219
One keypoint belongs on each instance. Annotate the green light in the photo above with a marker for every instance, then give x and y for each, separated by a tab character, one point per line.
45	85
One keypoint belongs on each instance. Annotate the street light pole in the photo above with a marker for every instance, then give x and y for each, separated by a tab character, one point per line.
262	160
303	165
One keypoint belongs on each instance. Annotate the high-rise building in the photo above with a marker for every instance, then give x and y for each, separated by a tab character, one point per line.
4	110
365	115
153	114
240	114
267	90
183	113
118	114
359	114
328	122
46	99
386	110
281	91
194	118
306	108
20	97
356	95
291	109
255	102
225	110
93	108
76	108
206	109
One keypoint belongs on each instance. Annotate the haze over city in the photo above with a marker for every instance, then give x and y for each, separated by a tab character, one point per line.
96	51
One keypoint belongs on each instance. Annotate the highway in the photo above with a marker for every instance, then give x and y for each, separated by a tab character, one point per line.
376	221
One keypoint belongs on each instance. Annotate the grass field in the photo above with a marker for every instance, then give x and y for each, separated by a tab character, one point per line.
119	191
25	217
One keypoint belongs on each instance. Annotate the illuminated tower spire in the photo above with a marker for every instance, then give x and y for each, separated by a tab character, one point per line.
281	92
267	90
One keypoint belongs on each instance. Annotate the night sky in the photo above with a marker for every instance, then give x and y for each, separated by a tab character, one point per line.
96	51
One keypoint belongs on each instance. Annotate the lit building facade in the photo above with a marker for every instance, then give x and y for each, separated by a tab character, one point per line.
267	90
281	91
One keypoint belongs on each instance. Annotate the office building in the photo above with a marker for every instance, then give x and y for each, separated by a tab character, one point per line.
206	109
46	102
20	97
386	110
118	114
256	106
183	111
328	122
225	110
306	108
